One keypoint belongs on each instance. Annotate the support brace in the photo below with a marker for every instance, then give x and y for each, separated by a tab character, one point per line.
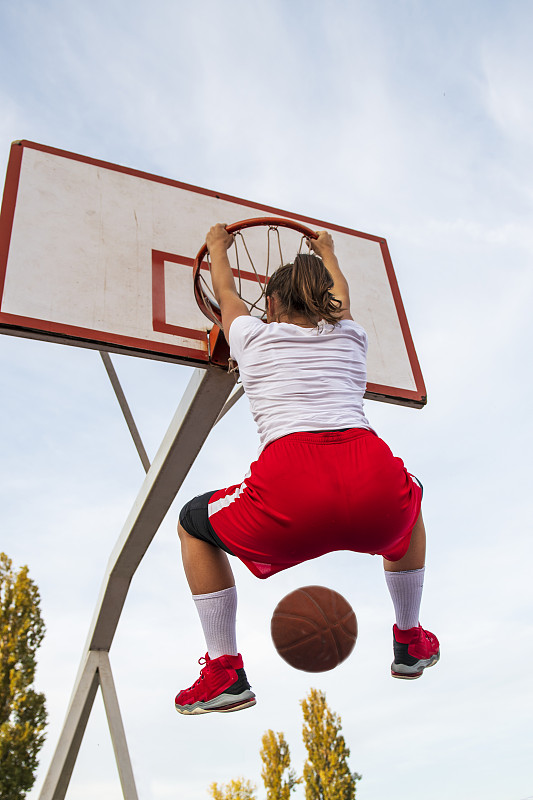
198	411
96	672
123	403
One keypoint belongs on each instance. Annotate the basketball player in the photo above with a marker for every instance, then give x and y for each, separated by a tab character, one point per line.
323	480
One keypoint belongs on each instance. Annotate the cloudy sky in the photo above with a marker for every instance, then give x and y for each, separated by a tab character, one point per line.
409	120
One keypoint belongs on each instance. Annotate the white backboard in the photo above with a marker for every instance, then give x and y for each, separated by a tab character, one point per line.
99	255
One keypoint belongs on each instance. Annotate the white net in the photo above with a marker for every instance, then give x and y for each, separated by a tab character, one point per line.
256	253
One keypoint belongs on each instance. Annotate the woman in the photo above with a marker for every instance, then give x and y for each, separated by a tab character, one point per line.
323	480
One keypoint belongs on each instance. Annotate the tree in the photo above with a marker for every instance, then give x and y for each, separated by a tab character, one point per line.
238	789
277	775
22	710
326	772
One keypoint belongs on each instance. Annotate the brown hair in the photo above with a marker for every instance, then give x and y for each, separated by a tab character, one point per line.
304	288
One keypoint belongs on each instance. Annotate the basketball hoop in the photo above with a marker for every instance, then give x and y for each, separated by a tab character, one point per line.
251	282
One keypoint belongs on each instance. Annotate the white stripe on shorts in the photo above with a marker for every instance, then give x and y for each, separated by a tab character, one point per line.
224	502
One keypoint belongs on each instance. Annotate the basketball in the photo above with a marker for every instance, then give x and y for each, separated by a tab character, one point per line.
314	628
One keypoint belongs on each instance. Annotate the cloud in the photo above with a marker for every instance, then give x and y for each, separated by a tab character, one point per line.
406	120
507	92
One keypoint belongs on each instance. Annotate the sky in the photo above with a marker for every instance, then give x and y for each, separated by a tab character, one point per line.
408	120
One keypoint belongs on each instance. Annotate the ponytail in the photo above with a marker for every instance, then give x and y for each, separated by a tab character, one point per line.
304	288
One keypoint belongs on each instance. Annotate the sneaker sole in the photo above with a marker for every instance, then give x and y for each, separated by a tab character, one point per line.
411	676
225	703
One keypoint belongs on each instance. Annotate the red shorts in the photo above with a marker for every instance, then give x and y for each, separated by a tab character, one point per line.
312	493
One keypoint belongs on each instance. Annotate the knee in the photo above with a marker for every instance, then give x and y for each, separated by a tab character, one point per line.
182	533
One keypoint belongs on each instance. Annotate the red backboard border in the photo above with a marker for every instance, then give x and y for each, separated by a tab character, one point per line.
45	329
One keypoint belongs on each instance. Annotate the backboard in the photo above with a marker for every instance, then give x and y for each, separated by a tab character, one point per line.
98	255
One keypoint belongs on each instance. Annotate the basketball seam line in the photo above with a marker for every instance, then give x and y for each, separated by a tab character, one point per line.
339	652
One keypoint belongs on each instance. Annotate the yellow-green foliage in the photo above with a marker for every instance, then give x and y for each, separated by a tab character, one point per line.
277	775
326	772
22	710
238	789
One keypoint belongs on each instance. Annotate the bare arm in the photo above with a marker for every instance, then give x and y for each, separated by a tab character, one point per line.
323	247
218	242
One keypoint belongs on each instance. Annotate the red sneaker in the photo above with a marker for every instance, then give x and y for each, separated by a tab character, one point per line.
414	650
222	686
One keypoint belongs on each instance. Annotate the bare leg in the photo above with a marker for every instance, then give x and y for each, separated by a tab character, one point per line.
223	685
405	579
414	648
207	568
415	558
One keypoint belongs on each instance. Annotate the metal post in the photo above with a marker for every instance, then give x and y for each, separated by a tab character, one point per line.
237	394
198	411
116	727
123	403
60	772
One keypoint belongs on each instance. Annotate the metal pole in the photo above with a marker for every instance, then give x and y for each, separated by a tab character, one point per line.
116	727
123	403
57	780
198	410
237	394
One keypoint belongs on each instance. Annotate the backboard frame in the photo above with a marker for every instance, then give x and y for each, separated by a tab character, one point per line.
197	354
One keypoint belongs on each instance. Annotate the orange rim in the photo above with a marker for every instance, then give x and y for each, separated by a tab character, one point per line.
210	310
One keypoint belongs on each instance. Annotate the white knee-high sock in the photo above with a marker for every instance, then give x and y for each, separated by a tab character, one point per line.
218	612
406	592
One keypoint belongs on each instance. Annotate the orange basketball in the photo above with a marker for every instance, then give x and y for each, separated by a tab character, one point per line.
314	628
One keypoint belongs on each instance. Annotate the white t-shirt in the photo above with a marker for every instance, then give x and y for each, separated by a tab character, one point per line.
301	379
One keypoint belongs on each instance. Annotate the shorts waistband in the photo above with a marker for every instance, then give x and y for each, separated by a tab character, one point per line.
326	437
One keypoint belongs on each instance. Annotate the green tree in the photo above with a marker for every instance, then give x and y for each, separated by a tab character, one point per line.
277	775
326	772
22	710
238	789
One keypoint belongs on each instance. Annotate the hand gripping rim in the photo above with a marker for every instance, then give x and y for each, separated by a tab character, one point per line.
209	309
